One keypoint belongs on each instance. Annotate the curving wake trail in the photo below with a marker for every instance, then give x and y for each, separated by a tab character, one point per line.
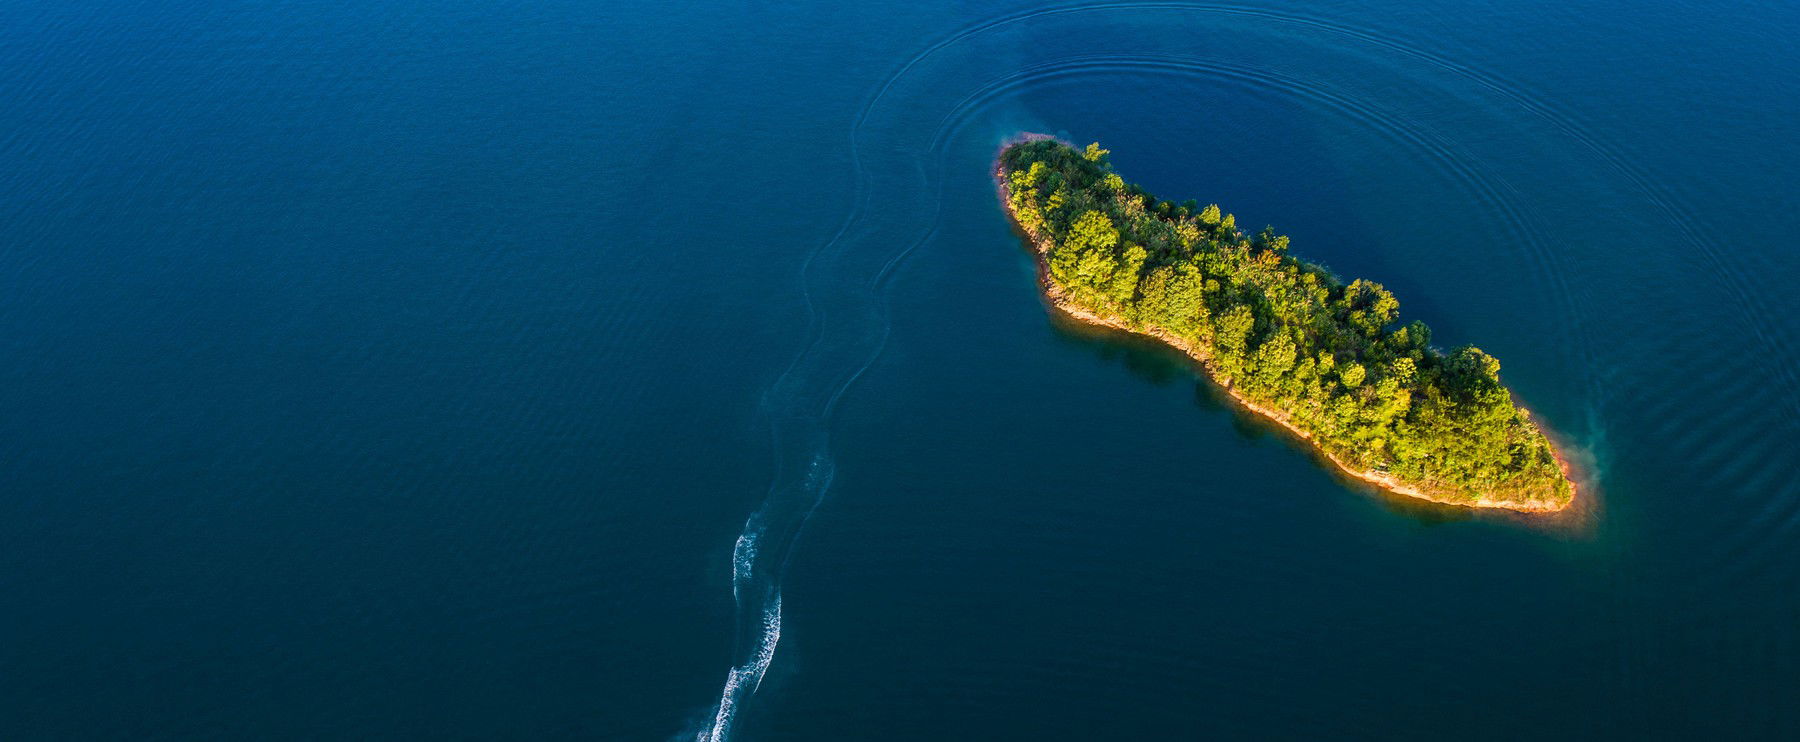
842	279
756	589
842	288
849	326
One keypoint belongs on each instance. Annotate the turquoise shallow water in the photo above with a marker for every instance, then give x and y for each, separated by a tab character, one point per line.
574	370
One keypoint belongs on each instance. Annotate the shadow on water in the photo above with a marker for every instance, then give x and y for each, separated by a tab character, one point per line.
1145	358
1161	365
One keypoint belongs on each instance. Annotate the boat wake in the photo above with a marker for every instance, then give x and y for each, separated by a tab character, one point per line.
991	64
757	593
746	678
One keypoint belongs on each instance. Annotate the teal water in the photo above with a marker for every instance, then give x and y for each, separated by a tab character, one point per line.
573	370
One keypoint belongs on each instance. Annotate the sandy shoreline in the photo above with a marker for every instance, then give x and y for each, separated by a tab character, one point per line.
1055	297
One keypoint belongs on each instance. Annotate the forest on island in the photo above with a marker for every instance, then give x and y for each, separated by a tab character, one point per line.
1285	333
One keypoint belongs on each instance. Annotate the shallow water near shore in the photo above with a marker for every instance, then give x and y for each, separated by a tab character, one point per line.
574	370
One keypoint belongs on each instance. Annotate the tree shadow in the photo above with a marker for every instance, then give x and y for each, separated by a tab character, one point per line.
1155	362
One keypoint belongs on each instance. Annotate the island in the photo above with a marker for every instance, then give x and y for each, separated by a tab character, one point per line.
1286	338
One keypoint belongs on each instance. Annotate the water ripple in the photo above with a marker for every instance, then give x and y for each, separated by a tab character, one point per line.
845	279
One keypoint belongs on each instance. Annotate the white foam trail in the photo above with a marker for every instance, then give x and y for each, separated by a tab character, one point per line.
765	652
743	559
750	674
722	720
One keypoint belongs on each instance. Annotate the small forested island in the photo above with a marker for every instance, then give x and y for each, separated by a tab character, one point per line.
1286	338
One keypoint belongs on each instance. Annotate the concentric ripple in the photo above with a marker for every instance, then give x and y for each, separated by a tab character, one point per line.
845	279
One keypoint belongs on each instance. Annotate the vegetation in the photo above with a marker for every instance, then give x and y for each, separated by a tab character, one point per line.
1329	358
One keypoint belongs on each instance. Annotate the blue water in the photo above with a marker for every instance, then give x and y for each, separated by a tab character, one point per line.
586	370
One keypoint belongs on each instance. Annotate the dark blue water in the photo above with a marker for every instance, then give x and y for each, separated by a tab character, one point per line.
581	370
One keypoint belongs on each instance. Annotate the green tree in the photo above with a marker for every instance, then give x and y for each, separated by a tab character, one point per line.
1285	332
1274	358
1403	370
1092	231
1173	298
1123	284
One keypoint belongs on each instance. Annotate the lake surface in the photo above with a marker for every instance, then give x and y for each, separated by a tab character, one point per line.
565	369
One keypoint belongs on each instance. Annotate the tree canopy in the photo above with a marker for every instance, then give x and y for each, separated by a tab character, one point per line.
1282	332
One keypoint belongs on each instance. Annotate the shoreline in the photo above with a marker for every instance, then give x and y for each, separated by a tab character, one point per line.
1053	295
